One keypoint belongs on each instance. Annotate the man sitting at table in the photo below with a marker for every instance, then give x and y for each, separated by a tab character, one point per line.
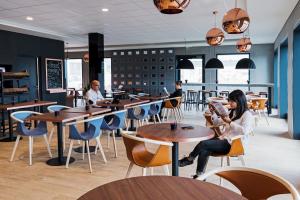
176	93
94	95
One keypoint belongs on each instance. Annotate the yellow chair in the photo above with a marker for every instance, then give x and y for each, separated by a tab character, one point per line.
169	107
259	105
253	183
138	155
237	148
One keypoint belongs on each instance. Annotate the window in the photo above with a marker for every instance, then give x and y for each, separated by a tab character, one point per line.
225	76
107	74
74	73
193	75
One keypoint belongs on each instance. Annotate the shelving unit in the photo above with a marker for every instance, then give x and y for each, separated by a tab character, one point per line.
11	92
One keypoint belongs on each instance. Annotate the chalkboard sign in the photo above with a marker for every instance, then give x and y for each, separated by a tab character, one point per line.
54	74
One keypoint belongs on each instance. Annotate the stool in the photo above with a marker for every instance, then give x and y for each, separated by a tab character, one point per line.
191	99
224	93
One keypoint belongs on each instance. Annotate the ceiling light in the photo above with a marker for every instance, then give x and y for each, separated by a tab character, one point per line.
105	9
171	6
29	18
215	36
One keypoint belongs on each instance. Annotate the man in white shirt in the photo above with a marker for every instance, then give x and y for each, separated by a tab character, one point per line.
94	95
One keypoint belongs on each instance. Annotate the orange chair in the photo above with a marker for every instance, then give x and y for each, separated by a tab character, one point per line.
168	108
259	105
138	155
253	183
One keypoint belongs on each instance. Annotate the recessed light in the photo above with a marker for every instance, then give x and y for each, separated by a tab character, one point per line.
29	18
105	9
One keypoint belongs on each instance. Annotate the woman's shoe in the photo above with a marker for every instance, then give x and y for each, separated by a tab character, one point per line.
185	161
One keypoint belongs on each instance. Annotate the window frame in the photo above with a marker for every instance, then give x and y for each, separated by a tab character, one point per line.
224	54
199	56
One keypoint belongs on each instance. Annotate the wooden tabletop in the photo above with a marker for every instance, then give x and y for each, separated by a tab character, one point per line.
28	104
163	132
160	187
124	103
91	111
153	98
62	117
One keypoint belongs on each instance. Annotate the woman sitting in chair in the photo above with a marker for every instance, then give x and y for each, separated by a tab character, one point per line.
239	122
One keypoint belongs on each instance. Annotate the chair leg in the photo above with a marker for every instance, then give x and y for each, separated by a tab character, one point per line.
144	171
166	170
83	144
115	145
51	135
129	169
101	149
228	161
242	160
158	118
89	156
164	114
151	171
108	139
63	137
266	118
47	145
30	149
15	148
69	154
168	113
222	163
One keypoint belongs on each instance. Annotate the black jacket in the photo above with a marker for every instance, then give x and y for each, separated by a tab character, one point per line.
177	93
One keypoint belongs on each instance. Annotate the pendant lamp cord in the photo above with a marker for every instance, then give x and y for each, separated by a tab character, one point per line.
236	3
215	13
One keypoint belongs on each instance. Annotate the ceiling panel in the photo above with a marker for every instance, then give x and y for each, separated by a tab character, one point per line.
138	21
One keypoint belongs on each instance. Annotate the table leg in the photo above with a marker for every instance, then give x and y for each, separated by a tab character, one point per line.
61	159
75	99
269	100
11	137
175	170
132	128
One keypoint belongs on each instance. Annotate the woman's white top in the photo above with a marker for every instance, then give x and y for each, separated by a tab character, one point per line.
94	95
242	126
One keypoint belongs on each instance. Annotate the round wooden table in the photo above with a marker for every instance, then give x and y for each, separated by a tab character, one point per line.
160	187
163	132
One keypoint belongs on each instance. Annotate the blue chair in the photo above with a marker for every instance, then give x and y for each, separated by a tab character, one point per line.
139	113
22	130
117	122
52	109
154	110
93	131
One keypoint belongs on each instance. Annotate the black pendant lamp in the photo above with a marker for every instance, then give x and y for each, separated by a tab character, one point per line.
245	63
214	63
185	64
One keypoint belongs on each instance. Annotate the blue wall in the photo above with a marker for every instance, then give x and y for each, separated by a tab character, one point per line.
283	73
296	84
275	102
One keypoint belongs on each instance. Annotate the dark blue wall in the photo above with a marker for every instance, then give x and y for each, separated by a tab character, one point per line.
296	84
275	103
21	51
283	73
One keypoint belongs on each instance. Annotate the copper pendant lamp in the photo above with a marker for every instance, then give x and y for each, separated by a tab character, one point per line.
244	44
236	21
215	36
171	6
86	58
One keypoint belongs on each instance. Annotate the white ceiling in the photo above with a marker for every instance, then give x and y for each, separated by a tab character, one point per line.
137	21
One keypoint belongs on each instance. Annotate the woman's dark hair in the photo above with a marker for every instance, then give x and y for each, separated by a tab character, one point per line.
239	98
178	83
